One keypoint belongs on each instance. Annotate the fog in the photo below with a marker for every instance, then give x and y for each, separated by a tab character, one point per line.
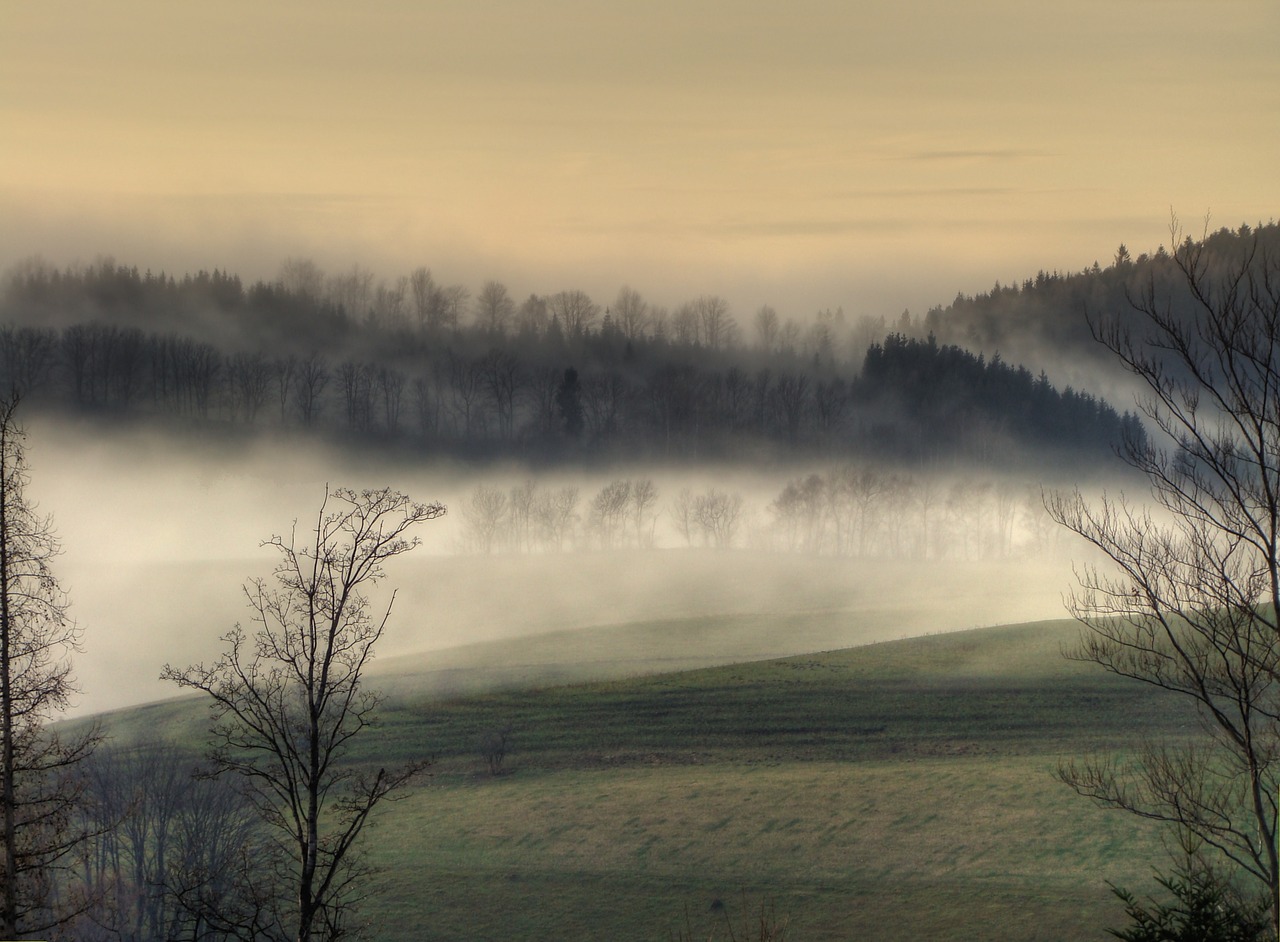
159	535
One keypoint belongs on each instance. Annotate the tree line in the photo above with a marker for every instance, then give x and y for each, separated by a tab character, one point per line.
555	379
849	510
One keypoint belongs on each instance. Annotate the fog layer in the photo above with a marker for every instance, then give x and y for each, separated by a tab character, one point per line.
159	538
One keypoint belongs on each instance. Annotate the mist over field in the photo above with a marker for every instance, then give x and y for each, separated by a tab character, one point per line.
159	536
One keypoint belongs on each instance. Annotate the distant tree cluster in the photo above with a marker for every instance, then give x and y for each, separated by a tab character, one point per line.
850	510
426	365
163	837
858	511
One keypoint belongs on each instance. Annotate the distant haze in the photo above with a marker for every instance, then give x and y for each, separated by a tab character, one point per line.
867	155
159	538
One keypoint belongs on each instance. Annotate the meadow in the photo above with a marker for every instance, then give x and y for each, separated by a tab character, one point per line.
897	790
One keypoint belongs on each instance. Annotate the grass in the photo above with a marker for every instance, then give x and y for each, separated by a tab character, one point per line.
902	790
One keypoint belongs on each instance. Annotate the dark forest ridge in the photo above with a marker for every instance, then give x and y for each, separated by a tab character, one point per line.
561	377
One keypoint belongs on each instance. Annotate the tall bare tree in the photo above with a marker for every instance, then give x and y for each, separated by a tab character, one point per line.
1189	602
494	308
290	701
39	790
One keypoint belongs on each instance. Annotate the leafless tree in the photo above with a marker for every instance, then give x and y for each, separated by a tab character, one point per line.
426	298
494	308
161	834
575	309
302	276
310	383
502	378
631	313
719	515
532	318
357	394
644	500
250	376
555	513
284	369
522	500
352	291
1189	601
608	516
289	702
453	302
486	513
391	392
467	390
495	746
28	355
767	328
389	305
39	788
717	326
686	326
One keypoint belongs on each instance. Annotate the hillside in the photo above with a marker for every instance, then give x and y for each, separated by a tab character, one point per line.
1043	321
893	791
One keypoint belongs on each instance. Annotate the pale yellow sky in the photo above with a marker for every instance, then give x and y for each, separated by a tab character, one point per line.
805	154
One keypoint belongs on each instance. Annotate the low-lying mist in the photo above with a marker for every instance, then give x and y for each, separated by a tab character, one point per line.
159	535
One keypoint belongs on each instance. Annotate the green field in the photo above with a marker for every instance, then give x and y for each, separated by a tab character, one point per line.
901	790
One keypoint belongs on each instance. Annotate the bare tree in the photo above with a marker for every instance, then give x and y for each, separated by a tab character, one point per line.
644	499
289	702
426	298
390	384
494	308
163	837
39	790
608	515
575	309
250	384
486	514
310	383
284	369
501	373
717	326
631	312
719	515
1189	603
302	276
555	513
767	328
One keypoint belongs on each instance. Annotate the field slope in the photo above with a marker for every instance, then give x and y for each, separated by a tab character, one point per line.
900	790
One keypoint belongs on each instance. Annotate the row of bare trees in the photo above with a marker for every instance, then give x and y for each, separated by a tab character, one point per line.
855	510
849	510
623	513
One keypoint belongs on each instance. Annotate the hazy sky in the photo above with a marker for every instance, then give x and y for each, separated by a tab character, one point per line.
812	153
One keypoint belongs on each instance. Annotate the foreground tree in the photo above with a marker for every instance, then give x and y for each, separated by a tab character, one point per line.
1189	605
288	704
39	790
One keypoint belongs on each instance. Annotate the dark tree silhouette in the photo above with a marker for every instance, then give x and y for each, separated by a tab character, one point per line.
289	702
39	790
1190	605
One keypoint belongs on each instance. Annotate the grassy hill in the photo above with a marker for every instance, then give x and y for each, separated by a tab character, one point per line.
901	790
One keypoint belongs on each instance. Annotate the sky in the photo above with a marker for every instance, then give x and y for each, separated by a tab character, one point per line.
813	154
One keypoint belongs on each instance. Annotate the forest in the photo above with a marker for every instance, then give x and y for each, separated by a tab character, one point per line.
422	365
